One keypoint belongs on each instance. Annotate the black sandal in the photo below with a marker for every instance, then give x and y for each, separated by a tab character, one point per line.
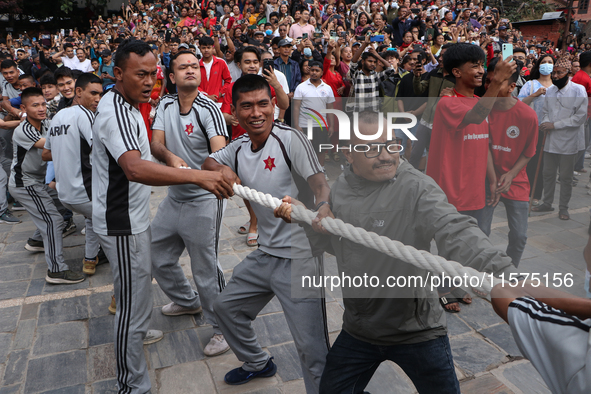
460	295
444	301
543	208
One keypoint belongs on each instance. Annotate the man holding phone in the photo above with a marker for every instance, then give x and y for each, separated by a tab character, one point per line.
106	73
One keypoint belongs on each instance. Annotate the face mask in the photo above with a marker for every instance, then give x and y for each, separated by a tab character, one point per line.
307	52
475	43
546	68
560	83
269	32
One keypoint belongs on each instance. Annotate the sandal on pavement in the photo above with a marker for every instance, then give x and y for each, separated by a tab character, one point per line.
543	208
563	214
445	301
462	296
252	239
336	157
535	203
244	228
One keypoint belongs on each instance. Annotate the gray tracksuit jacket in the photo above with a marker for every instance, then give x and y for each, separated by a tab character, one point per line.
412	209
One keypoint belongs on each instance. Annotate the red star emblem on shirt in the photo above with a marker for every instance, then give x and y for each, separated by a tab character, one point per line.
269	163
189	129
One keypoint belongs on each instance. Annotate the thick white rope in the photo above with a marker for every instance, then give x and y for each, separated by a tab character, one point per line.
419	258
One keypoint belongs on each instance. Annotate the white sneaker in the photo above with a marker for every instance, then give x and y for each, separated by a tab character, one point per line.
217	345
153	336
83	231
173	309
588	185
587	155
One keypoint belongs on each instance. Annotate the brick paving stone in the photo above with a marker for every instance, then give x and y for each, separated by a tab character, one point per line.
55	338
334	316
15	367
486	383
51	289
5	345
479	314
287	360
175	348
79	389
101	330
15	272
501	336
9	318
10	290
10	390
191	377
57	311
29	311
106	387
272	306
56	371
228	261
36	286
39	270
474	355
389	378
25	334
525	377
455	325
102	277
99	304
272	329
101	363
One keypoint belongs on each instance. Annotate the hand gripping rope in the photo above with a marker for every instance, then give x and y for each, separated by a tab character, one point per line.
419	258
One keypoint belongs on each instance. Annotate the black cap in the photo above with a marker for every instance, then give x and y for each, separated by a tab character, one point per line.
106	53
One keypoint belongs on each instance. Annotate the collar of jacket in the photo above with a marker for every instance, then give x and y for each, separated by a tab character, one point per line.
363	186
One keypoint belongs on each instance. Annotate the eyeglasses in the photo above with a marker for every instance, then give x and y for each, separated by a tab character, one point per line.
391	147
556	72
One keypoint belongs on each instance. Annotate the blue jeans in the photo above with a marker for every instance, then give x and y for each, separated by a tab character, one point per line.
478	214
351	363
517	218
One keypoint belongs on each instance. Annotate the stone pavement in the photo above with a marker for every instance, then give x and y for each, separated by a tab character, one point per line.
59	339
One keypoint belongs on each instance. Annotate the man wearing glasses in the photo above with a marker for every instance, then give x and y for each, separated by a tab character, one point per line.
563	121
403	323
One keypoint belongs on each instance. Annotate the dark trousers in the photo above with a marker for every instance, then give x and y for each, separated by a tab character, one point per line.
531	170
351	363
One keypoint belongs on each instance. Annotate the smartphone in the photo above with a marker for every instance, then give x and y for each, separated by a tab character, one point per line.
168	34
343	34
445	29
62	32
507	51
268	64
305	36
309	1
337	17
415	10
360	38
377	38
184	33
487	8
217	27
161	34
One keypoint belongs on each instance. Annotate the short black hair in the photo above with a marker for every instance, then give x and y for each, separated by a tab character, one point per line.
94	59
63	72
522	50
585	59
175	56
26	76
249	83
47	79
514	77
68	45
31	92
461	53
87	78
129	46
8	63
176	40
205	41
315	63
240	52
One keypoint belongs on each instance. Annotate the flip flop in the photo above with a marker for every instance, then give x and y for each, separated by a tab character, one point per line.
336	157
244	228
563	214
444	301
460	295
252	239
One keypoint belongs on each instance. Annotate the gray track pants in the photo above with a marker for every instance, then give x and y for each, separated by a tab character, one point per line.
58	204
50	224
554	162
92	243
129	257
254	282
196	226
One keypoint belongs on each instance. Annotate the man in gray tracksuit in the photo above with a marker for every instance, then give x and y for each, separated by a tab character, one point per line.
405	324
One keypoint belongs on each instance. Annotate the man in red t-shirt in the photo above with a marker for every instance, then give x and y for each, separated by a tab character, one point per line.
459	151
214	71
513	135
460	160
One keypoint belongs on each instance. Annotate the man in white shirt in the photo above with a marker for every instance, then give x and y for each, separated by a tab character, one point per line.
69	60
563	119
313	94
84	64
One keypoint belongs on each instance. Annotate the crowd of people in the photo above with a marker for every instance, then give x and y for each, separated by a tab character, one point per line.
198	96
